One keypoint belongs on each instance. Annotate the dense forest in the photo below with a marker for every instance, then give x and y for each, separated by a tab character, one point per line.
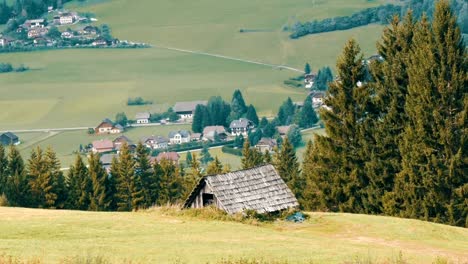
382	14
397	145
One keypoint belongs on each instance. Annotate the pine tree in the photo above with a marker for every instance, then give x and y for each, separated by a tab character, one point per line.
338	161
98	175
3	170
18	191
197	122
188	159
383	133
307	115
110	186
205	155
79	186
192	177
129	197
143	172
238	106
286	112
58	196
252	115
288	168
433	182
307	69
250	156
215	167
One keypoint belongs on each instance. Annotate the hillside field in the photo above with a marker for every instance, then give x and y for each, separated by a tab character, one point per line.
70	88
165	236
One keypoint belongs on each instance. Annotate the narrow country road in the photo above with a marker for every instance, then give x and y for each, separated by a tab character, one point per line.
231	58
62	129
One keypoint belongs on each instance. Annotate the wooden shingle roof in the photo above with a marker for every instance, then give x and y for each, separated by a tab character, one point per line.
260	189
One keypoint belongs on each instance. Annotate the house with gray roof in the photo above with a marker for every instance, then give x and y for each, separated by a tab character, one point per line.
179	137
142	118
8	139
260	189
241	127
185	110
155	142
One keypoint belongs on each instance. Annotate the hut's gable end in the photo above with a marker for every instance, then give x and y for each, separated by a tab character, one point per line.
260	189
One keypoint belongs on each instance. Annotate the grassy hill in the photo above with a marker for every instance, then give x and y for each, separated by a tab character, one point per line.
166	236
80	87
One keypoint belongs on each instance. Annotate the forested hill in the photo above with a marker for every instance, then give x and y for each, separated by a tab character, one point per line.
381	14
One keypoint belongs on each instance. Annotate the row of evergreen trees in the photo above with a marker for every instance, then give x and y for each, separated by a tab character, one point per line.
397	145
131	183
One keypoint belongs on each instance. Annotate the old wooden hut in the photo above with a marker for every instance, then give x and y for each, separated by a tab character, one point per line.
260	189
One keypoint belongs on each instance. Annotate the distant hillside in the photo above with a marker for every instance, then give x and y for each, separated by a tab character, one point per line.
168	236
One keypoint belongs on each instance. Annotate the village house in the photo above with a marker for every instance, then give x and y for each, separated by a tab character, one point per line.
266	144
102	146
317	98
119	141
179	137
156	142
66	19
108	127
283	130
211	132
5	41
142	118
37	32
260	189
99	42
195	137
169	156
90	30
241	127
309	80
34	23
67	35
8	139
185	110
106	160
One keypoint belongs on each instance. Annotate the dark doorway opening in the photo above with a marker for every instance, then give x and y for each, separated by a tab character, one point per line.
208	199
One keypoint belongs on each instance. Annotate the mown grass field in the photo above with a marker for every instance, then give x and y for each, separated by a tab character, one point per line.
80	87
161	236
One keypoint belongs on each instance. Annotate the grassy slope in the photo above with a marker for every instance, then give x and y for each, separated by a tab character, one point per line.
80	87
325	238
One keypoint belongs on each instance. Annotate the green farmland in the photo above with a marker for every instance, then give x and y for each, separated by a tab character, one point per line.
70	88
168	236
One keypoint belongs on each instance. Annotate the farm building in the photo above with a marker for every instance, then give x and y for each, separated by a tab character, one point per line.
8	139
102	146
179	137
241	127
185	110
142	118
108	127
260	189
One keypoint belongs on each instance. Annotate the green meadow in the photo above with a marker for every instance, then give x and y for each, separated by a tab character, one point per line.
168	236
69	88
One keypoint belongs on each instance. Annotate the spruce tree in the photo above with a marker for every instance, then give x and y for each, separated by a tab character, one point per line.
3	170
215	167
238	106
338	158
289	169
58	196
433	182
205	155
143	173
252	115
192	178
251	157
97	175
307	69
197	122
188	159
129	196
79	186
18	190
110	185
383	133
307	115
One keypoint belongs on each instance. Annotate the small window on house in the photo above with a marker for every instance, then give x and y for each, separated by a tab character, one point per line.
208	199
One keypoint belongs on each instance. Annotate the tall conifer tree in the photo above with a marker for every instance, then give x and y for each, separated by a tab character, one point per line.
97	174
